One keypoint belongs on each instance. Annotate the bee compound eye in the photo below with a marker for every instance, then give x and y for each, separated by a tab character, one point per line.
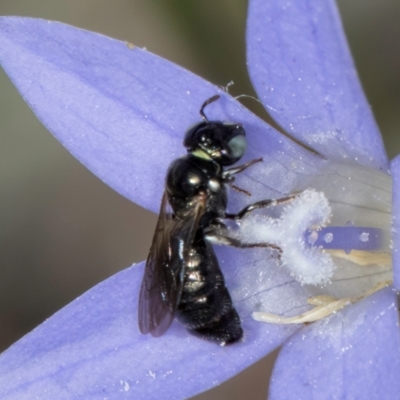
237	146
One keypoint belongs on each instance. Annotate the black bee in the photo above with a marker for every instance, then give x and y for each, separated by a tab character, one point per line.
182	276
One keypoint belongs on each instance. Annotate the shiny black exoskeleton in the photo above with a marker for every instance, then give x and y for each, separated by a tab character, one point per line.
182	276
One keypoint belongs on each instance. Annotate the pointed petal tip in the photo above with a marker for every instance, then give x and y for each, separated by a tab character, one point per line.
302	70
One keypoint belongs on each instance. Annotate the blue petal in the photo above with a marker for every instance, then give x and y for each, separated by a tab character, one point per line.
92	349
303	72
395	171
352	355
123	112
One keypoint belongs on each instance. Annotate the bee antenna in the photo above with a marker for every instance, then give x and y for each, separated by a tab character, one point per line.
248	97
205	104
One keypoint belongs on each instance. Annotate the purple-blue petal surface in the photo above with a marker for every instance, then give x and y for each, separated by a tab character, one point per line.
395	171
354	354
302	70
92	348
123	111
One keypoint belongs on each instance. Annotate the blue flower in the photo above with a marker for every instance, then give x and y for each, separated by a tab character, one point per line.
122	111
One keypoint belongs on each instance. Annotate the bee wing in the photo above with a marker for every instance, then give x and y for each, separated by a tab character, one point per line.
165	266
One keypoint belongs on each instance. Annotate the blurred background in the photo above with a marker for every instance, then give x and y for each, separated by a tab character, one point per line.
61	229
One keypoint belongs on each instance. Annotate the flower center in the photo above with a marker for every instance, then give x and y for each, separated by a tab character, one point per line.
335	238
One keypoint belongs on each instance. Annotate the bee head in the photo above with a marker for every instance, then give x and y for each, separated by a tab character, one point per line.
223	142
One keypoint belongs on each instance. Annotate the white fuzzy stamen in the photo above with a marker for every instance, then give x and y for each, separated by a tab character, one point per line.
324	306
310	209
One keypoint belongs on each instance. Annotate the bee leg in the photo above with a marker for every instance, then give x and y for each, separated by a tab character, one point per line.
228	177
220	238
227	174
238	189
260	204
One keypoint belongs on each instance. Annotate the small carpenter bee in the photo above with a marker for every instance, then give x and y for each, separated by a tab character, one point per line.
182	276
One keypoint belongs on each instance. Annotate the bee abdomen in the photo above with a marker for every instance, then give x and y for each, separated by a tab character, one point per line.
225	330
206	307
